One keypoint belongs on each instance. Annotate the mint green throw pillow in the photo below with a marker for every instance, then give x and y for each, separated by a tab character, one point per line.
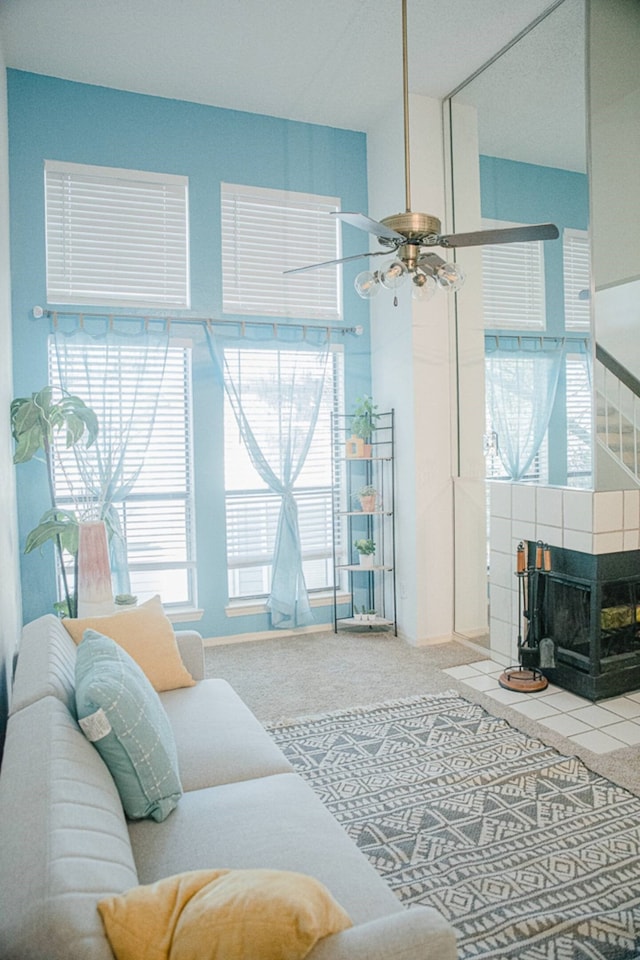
121	714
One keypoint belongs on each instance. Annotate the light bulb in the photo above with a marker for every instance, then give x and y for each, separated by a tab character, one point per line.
423	287
450	276
367	284
394	276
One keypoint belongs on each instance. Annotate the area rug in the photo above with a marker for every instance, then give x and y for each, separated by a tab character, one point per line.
528	853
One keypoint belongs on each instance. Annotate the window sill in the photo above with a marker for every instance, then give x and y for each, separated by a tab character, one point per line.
249	608
185	615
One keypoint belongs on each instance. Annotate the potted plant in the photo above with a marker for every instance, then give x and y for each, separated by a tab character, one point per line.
125	600
368	496
366	549
363	422
35	421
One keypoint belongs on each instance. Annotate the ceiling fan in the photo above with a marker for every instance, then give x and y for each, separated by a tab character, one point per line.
408	234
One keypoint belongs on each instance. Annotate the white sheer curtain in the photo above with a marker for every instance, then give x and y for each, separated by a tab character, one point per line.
107	368
521	381
276	417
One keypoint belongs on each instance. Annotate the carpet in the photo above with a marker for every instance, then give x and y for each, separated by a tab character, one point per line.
527	852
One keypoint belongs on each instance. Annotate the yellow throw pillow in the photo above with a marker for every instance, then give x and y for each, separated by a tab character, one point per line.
222	915
147	636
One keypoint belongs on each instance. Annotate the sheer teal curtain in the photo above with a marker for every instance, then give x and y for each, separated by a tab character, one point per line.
107	365
276	417
521	381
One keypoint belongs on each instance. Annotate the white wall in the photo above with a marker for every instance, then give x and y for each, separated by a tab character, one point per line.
412	372
614	108
617	310
471	615
10	606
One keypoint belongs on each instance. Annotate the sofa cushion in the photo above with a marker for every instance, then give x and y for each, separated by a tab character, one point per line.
275	823
46	664
64	843
217	737
121	714
235	914
147	636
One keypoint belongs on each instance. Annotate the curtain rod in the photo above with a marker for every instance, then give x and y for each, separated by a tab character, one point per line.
39	312
540	338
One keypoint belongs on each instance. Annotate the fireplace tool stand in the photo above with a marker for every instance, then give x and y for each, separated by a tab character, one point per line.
525	676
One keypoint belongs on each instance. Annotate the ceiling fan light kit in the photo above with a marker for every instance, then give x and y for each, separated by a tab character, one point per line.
406	234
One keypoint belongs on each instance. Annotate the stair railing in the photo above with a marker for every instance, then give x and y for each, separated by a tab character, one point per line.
618	412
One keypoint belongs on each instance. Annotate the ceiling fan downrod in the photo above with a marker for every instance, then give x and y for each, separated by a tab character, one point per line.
405	95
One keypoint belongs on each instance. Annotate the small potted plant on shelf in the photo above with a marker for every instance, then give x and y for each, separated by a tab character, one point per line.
371	616
368	496
366	549
363	423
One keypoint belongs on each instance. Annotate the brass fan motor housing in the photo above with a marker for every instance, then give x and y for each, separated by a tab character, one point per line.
418	228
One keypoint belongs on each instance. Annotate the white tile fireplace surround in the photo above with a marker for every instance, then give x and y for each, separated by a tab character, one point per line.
582	520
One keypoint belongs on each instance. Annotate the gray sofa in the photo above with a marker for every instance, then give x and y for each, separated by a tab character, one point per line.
65	842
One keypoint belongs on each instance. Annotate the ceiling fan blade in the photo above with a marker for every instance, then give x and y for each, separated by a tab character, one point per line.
539	231
366	223
329	263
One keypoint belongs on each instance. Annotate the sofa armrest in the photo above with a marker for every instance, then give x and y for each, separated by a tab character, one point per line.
191	650
418	933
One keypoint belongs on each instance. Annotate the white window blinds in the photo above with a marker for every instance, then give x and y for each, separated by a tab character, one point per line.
577	279
116	236
513	284
264	233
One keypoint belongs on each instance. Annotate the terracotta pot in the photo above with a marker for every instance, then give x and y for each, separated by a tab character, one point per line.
368	503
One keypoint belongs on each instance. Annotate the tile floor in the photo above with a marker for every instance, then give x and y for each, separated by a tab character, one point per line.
601	728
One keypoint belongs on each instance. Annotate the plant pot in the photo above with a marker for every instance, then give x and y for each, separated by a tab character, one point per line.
368	503
354	448
95	592
357	449
366	560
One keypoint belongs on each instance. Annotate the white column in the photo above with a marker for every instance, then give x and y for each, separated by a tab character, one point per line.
412	372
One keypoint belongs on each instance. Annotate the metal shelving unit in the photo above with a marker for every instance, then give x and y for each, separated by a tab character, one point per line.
370	588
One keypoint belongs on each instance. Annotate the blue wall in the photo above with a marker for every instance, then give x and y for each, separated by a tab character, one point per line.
59	120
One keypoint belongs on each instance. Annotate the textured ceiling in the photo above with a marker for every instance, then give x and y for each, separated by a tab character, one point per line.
335	62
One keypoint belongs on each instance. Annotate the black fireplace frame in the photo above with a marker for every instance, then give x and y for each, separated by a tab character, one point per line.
597	650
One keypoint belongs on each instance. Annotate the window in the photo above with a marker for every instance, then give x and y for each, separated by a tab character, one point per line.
157	512
264	233
577	280
513	283
115	236
252	509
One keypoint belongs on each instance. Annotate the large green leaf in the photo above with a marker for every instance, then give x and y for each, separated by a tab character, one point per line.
34	420
54	524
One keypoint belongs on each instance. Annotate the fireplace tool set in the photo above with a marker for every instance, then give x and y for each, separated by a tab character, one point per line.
533	650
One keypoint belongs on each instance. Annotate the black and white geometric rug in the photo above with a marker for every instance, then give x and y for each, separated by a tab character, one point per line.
528	853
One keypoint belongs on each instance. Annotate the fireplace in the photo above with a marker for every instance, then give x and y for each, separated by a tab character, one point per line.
589	605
